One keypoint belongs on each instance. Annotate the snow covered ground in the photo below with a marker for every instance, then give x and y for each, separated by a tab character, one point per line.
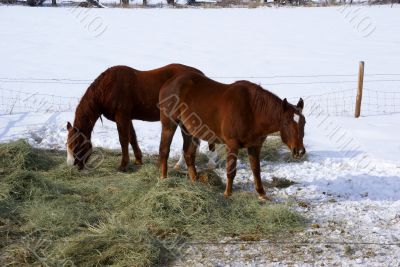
351	179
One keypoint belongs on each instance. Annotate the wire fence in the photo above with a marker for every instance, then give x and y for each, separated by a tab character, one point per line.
15	101
343	102
334	102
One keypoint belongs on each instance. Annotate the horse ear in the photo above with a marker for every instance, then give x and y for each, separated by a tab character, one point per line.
69	126
285	104
300	104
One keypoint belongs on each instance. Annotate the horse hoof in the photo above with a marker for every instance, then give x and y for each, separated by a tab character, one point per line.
179	167
122	169
138	162
226	195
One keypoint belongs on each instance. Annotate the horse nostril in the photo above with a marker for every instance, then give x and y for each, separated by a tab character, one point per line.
302	151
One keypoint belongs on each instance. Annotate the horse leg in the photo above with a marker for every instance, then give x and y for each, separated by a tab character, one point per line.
212	159
211	146
190	145
212	156
254	158
181	164
123	132
135	146
168	131
230	168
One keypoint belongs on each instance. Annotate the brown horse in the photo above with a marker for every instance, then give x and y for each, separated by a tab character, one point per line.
239	115
120	94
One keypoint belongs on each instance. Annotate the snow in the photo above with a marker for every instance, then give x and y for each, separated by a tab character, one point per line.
352	173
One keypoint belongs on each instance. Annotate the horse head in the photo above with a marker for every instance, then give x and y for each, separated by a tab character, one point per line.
79	147
292	127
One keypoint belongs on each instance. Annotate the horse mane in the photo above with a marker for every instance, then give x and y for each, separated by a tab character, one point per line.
89	108
263	101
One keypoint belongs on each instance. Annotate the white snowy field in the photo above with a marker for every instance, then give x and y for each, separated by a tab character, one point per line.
352	174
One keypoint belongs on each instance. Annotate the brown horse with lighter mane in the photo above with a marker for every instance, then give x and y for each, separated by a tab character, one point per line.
239	115
120	94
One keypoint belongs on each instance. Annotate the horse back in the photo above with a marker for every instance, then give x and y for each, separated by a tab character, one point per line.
204	106
122	89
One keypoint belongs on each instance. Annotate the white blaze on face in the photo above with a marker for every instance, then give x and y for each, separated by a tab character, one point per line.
70	157
296	118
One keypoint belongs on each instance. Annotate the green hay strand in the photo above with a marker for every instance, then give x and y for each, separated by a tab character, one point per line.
55	215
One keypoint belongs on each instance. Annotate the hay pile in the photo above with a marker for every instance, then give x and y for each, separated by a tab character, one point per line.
51	214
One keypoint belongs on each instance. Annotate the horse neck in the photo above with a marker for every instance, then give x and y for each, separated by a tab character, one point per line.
268	109
86	115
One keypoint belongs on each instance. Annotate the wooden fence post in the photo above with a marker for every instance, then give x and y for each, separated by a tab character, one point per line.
359	89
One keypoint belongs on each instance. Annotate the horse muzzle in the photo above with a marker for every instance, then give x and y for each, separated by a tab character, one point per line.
298	152
70	157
